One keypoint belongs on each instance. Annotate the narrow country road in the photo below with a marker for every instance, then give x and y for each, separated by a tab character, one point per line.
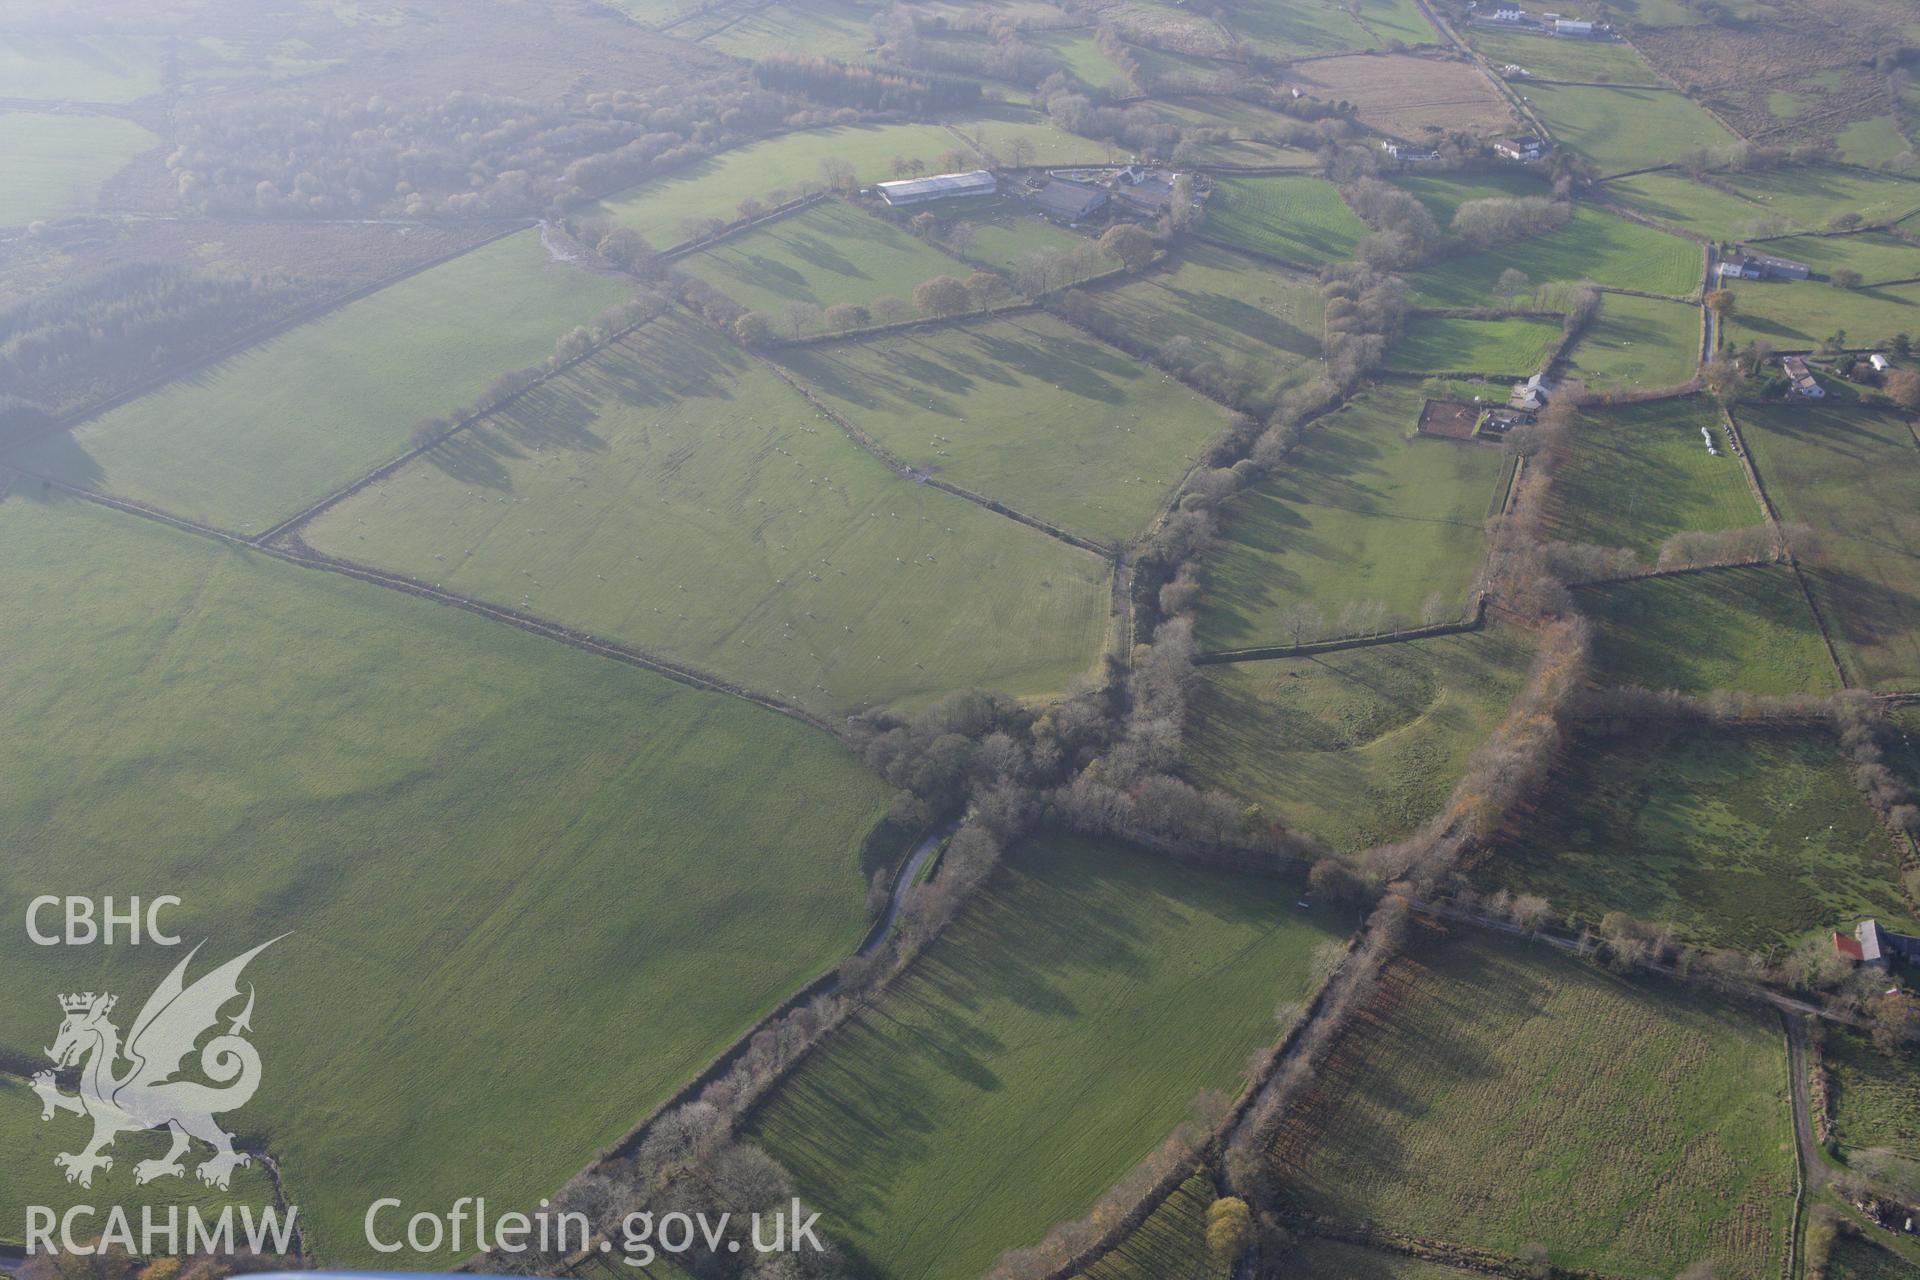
1813	1169
903	882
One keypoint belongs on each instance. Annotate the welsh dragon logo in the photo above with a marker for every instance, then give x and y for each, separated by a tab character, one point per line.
147	1094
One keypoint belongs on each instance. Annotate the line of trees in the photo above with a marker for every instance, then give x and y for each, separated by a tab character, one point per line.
571	345
90	337
845	84
462	155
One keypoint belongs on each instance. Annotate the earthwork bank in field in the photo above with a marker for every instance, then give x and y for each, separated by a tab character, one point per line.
828	254
1355	748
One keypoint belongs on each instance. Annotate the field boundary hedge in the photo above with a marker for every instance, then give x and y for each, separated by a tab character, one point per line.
1260	653
907	326
387	468
687	248
293	551
1792	561
907	471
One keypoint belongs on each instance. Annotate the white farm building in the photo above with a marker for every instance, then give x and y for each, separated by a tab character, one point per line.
940	186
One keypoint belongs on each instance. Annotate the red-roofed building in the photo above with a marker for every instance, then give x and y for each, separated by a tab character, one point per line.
1848	947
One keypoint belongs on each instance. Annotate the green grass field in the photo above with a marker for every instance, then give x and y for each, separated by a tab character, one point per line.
1637	474
1290	28
1310	1259
1297	219
1637	344
1875	1098
1854	1258
477	838
996	126
1878	258
1444	193
1794	197
1238	310
1005	232
93	68
1170	1245
1026	410
1444	344
34	1179
1355	748
1051	1038
1244	121
715	186
266	433
1596	246
1599	61
1500	1094
1853	477
1748	840
1360	515
1622	129
1082	58
1744	629
56	163
1877	140
833	252
1796	315
674	494
824	28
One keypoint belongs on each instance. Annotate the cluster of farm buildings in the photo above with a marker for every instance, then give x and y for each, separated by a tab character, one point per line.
1551	24
1070	199
1869	944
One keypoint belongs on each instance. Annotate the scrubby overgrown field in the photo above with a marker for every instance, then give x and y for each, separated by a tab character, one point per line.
1062	1025
1749	839
472	835
1501	1095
